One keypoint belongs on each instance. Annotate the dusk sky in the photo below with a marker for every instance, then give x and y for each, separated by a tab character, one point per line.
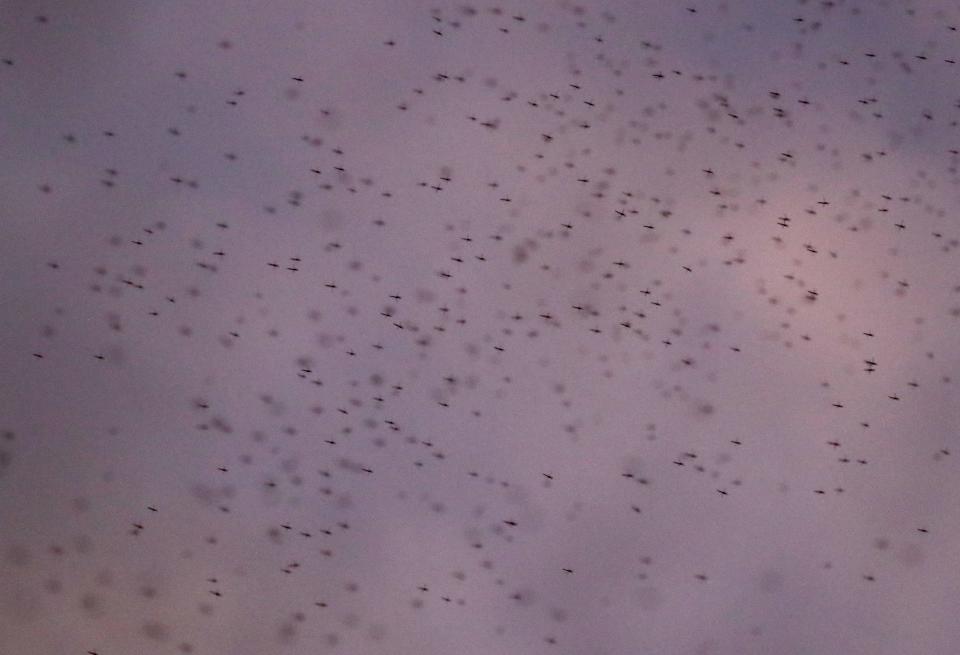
402	327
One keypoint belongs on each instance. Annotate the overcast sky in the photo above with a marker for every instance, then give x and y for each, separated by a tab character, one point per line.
403	327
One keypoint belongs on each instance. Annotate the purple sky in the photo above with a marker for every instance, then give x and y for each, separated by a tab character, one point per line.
386	326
